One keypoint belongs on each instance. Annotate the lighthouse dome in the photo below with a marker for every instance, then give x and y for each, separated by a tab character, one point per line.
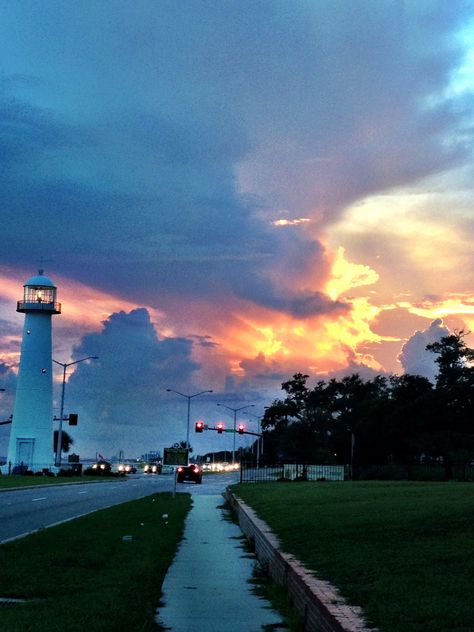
40	280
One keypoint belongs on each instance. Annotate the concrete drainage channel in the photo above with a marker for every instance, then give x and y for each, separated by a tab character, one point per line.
318	602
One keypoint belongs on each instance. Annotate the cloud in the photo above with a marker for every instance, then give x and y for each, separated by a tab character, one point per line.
7	398
121	397
145	178
414	357
260	369
148	148
371	139
301	305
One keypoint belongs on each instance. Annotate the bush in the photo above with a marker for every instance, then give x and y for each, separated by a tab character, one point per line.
67	473
381	473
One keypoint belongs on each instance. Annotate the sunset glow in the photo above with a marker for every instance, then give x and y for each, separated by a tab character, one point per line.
228	199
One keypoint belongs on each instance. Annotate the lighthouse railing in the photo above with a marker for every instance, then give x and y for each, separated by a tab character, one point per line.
43	306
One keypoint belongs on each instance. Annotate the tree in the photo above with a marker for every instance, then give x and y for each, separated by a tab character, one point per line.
454	397
66	441
387	419
182	444
454	361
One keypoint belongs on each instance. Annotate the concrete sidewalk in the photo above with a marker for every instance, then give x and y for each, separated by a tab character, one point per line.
207	587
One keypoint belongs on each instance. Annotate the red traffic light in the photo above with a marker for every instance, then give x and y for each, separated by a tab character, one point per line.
199	427
220	427
241	428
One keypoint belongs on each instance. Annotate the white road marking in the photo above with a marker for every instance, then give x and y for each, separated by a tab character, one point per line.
33	500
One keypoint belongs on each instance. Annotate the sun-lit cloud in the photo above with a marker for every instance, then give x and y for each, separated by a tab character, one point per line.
461	306
347	276
291	222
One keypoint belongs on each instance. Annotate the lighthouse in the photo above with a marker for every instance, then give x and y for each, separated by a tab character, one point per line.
31	436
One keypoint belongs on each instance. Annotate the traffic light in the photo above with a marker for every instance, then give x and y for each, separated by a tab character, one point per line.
220	427
73	419
241	428
199	426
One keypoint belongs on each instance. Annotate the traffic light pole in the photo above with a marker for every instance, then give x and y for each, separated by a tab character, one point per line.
201	426
235	411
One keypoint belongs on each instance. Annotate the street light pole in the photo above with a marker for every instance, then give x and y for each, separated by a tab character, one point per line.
260	439
65	365
189	398
235	410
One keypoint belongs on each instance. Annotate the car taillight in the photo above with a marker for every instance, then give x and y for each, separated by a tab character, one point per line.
196	470
180	469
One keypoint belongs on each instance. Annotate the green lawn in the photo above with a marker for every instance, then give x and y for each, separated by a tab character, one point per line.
84	576
402	551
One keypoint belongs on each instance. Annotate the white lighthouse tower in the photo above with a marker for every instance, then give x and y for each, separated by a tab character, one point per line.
31	437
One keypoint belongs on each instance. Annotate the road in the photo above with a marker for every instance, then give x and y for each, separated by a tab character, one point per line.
23	511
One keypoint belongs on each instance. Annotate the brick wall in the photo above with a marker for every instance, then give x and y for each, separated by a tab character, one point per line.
318	602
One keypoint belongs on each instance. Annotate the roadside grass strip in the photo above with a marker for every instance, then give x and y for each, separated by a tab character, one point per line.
100	572
402	551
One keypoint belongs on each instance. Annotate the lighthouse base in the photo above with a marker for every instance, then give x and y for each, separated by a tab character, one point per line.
47	469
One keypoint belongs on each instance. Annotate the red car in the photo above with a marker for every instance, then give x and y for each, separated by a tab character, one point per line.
191	472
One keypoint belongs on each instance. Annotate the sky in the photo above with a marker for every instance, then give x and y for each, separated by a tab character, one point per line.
229	192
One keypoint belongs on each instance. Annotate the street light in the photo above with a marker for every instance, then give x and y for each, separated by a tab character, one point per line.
260	439
189	398
65	365
235	411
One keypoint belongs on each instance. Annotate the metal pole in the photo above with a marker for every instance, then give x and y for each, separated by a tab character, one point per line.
61	415
235	410
189	416
352	454
233	445
60	429
188	397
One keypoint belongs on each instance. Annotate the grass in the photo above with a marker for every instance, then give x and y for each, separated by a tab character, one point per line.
402	551
82	575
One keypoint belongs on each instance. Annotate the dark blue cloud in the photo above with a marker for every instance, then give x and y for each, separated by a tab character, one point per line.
121	397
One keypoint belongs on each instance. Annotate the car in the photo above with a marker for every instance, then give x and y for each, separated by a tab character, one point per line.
126	468
191	472
152	468
101	467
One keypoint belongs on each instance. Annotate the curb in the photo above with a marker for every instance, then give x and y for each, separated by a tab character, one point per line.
318	602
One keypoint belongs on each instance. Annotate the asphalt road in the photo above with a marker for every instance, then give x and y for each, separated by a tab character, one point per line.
27	510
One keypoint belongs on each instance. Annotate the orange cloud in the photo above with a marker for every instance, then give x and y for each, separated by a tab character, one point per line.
83	309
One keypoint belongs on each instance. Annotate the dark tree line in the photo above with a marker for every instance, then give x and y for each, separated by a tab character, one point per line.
398	419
